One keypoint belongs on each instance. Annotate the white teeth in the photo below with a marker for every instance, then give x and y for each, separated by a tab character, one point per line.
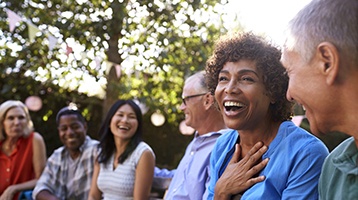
303	107
123	127
231	103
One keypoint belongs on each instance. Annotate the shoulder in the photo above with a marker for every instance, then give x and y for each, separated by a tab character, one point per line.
342	147
38	138
144	148
225	142
230	136
57	153
299	136
90	144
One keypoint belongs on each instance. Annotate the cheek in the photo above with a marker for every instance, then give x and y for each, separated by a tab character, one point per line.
135	125
218	101
61	135
218	93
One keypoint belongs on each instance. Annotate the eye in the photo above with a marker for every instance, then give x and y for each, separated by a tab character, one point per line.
222	78
22	117
62	128
75	126
247	78
11	118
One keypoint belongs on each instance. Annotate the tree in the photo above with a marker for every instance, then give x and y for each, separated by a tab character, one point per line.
156	43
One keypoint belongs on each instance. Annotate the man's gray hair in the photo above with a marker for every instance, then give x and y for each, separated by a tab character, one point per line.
334	21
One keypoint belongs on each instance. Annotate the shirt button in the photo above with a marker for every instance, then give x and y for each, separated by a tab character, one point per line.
192	153
8	169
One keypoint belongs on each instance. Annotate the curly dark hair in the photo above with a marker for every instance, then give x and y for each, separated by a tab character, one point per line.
237	46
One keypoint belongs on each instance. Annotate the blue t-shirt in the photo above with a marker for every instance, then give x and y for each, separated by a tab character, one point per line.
296	158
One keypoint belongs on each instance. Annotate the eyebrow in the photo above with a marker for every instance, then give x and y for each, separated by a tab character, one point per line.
243	71
127	113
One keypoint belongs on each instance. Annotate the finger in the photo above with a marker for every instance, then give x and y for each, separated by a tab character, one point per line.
255	180
255	148
255	154
236	156
257	168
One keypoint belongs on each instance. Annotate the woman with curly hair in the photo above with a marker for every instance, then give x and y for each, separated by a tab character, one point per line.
267	156
125	165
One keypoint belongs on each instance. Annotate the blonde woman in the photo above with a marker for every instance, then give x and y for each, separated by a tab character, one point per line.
23	151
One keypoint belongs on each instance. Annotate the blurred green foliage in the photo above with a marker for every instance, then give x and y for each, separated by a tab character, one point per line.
157	43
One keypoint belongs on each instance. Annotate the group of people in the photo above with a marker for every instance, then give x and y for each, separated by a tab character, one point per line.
245	145
118	166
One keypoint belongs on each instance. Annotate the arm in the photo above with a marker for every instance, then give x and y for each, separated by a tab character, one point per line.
38	161
163	173
237	176
144	176
46	195
48	183
95	193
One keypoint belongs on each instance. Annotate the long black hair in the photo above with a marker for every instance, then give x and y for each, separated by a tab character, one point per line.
107	145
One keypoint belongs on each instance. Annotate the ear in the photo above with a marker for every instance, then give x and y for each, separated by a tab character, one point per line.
328	61
209	101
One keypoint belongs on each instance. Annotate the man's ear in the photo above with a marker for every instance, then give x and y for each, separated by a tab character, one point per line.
209	101
329	61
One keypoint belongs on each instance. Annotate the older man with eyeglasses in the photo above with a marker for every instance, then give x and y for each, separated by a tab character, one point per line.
191	178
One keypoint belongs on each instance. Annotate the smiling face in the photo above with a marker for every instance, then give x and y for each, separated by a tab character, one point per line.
194	108
124	123
307	87
241	95
15	122
72	132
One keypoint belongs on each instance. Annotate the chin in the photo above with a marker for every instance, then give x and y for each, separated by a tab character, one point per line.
314	129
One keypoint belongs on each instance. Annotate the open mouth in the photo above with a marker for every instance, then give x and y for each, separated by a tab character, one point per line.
233	106
123	128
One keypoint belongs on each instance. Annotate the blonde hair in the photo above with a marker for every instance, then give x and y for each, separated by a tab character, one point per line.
5	107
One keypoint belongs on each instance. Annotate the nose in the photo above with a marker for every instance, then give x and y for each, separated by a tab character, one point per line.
69	131
124	118
232	87
288	95
182	106
16	120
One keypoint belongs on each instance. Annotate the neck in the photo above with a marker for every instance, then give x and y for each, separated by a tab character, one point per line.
9	143
344	117
74	154
213	123
120	145
265	134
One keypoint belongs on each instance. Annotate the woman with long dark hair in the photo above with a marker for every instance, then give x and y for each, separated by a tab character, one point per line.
125	164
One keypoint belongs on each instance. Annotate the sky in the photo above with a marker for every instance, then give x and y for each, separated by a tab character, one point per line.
267	17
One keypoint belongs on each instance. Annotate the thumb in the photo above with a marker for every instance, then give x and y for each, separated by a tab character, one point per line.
236	157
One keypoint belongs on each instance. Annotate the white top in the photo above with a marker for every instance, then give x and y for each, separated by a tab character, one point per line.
119	183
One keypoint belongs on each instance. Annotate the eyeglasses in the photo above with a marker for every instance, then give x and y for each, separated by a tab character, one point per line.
191	96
